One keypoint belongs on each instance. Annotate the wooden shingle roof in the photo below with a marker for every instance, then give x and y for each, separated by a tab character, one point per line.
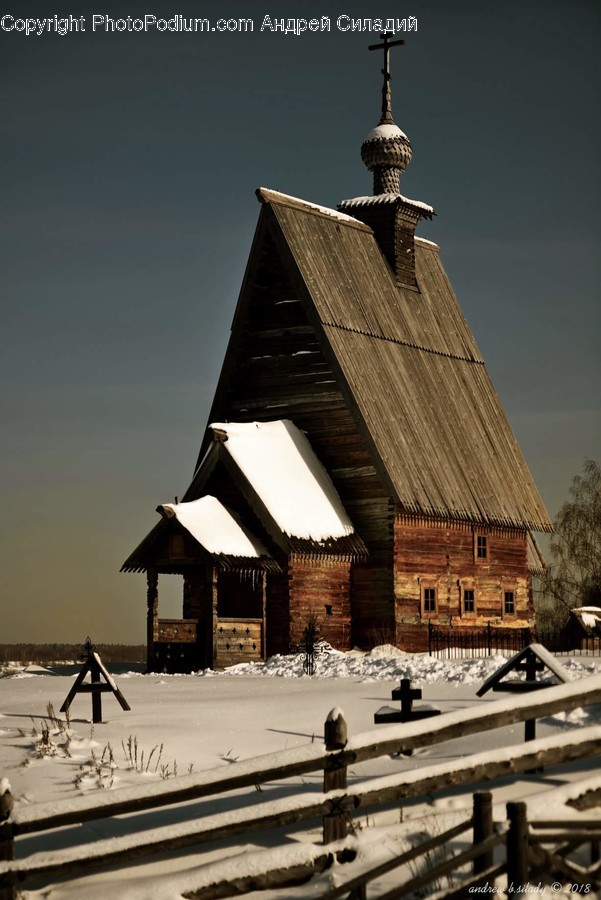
410	368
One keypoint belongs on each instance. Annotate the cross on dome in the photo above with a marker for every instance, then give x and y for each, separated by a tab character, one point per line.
386	92
386	151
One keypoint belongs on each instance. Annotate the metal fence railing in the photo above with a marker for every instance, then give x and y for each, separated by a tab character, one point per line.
451	642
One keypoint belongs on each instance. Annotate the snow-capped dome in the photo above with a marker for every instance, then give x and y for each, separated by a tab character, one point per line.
385	130
386	151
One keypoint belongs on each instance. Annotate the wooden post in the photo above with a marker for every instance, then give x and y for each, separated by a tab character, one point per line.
264	622
7	840
214	618
517	847
334	774
482	828
152	616
96	695
531	666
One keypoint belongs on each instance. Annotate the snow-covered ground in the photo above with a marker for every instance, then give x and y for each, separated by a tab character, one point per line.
209	720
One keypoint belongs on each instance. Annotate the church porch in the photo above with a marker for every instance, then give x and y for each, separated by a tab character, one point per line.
223	621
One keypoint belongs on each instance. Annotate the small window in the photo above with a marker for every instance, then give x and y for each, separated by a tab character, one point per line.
469	603
429	600
509	603
481	546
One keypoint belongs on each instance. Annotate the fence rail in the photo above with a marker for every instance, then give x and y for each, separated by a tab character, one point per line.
333	805
452	642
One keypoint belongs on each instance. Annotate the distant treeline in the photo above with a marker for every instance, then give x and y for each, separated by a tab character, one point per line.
45	653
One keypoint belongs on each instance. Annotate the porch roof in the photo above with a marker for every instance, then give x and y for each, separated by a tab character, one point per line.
289	489
214	527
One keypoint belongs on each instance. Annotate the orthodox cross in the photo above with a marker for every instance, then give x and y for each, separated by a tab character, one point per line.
386	95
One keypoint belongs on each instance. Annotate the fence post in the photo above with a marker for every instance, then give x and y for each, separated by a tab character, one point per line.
517	847
334	774
482	828
7	840
429	637
96	695
489	639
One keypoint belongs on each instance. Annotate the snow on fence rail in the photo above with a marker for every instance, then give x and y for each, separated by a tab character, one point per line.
333	806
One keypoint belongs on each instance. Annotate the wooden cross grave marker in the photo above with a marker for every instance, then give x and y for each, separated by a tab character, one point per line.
386	93
532	659
406	694
95	686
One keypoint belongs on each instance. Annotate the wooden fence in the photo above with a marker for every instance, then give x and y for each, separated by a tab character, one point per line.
532	853
334	805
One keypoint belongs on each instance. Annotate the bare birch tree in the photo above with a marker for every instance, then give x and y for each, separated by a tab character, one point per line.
573	577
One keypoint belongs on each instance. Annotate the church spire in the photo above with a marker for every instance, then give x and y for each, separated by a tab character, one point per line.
386	151
386	92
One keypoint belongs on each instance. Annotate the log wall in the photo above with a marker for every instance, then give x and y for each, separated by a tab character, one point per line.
320	588
440	555
372	585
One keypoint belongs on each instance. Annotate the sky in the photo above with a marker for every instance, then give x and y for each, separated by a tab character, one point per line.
129	162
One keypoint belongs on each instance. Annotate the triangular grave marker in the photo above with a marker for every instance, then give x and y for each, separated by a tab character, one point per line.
95	687
532	659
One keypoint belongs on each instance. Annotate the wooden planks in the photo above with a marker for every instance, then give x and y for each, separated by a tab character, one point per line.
416	379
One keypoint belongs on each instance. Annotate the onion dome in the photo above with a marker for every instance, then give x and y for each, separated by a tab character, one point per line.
386	151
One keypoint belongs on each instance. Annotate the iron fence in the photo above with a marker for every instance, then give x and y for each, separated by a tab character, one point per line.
458	643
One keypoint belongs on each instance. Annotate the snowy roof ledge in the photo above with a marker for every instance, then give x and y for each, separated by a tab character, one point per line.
218	530
424	242
265	195
295	490
424	209
589	616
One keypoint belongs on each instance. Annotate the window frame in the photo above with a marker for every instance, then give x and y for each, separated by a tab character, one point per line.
428	586
464	590
510	612
481	542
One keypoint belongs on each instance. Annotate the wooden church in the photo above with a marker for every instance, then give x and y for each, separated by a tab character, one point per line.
358	468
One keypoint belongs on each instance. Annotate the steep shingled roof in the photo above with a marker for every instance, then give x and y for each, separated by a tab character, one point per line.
418	385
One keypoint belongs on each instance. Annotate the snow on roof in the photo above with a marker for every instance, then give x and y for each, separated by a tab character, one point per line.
282	468
589	615
384	132
325	210
374	199
214	527
422	240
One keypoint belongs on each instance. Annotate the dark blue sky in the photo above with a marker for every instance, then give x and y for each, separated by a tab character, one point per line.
129	163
